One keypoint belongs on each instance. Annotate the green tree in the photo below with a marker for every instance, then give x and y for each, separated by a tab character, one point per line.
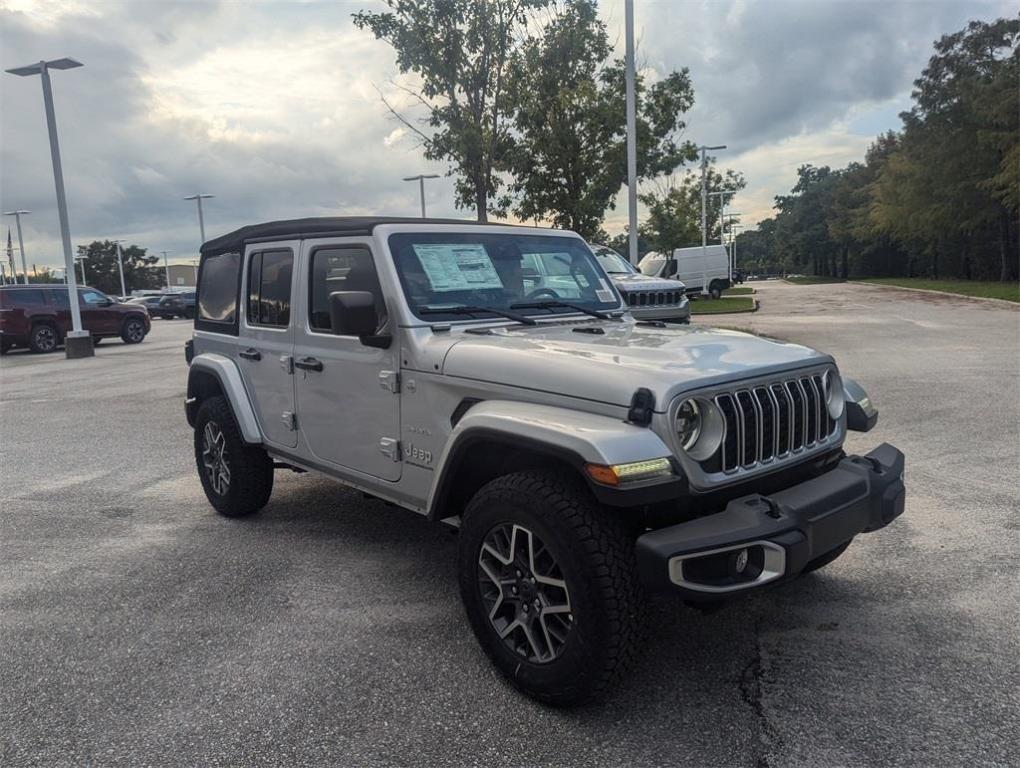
569	159
465	53
673	210
103	273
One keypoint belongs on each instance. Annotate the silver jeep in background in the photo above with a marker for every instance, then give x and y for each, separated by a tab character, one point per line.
489	377
647	298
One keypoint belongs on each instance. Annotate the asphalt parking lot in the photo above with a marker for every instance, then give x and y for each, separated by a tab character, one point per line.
138	628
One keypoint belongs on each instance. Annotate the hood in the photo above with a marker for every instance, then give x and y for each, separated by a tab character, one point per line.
609	367
639	282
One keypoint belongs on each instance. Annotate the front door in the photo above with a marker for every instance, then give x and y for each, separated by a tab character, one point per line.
348	404
266	339
97	314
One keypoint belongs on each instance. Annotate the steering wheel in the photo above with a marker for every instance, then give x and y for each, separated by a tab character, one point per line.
539	293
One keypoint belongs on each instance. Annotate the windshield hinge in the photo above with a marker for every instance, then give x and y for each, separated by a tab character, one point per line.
389	380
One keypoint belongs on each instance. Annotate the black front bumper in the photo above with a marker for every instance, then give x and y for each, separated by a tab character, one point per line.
779	534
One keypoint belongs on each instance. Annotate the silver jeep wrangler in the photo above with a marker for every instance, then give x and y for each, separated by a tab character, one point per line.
586	457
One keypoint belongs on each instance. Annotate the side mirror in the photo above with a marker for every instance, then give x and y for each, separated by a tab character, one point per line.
861	415
353	313
105	303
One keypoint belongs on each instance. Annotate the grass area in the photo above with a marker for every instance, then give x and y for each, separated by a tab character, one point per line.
722	306
739	290
987	290
812	280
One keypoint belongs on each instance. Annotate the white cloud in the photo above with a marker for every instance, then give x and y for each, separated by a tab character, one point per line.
275	106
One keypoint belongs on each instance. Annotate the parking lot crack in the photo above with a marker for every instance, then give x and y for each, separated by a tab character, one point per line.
752	684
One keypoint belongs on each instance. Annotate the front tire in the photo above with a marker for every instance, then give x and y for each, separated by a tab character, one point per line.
133	331
237	478
550	586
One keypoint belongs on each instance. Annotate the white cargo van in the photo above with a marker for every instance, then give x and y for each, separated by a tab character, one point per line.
702	270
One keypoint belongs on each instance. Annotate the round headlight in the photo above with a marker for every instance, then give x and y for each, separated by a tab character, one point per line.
834	400
688	423
699	428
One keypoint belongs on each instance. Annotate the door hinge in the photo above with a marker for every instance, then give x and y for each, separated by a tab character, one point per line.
389	380
287	363
290	419
390	446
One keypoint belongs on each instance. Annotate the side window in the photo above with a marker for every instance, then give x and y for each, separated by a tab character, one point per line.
59	298
91	297
340	268
217	291
269	279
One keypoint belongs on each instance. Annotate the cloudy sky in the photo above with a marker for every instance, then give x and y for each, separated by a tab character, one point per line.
274	108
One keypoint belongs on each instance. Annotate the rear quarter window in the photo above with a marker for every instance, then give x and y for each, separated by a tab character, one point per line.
218	285
22	297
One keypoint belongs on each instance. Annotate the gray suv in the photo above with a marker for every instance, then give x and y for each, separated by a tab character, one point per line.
586	458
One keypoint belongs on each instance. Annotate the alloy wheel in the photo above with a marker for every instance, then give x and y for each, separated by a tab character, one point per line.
45	338
135	331
214	458
524	593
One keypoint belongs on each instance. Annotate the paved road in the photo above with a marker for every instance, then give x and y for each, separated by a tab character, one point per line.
137	628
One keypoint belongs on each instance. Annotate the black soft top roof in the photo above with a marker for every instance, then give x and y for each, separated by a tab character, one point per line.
314	227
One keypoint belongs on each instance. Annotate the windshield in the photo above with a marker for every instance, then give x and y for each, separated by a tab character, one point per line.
485	270
613	262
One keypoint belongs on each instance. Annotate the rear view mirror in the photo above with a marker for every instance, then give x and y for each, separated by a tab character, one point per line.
353	313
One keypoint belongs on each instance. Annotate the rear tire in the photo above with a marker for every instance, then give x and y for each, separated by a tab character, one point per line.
133	331
523	535
715	290
43	338
823	560
237	478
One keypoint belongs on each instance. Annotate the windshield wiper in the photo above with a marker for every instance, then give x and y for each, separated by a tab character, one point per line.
565	304
465	309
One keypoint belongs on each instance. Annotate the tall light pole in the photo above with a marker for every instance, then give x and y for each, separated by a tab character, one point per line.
704	200
120	267
201	221
733	250
420	178
166	266
77	342
630	77
21	242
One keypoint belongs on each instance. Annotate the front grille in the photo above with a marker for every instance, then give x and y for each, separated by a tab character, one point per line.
654	298
772	421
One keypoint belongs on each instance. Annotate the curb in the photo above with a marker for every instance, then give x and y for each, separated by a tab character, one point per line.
755	308
987	299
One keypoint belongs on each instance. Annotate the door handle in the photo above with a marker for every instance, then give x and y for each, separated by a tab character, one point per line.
308	364
250	354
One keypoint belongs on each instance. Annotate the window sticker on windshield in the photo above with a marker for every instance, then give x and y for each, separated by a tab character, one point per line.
604	295
457	267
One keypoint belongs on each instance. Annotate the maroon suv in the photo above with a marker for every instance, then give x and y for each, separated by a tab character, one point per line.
38	316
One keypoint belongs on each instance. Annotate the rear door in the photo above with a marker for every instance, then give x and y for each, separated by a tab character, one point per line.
347	393
266	338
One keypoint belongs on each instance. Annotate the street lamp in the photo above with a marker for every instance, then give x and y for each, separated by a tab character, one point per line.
120	266
631	112
166	266
21	242
704	200
420	178
77	342
201	222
